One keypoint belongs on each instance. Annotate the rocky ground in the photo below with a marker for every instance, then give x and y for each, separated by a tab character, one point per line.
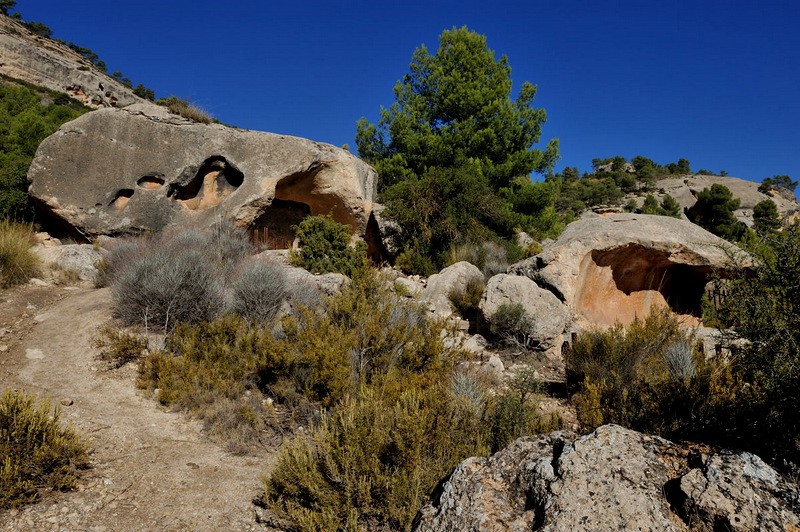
151	469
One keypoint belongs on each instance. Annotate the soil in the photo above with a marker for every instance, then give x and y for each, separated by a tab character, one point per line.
151	469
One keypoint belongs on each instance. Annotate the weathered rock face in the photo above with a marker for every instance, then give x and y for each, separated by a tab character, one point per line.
547	317
436	295
126	171
80	258
612	479
47	63
686	188
616	267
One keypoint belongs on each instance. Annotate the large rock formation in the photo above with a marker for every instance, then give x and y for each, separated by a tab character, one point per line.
47	63
127	171
612	479
615	267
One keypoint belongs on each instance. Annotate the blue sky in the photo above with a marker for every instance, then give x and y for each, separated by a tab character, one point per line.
715	82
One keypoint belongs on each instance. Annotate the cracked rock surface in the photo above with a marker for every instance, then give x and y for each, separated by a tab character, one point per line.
611	479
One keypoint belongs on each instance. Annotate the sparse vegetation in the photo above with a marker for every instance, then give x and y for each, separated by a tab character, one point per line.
36	452
18	263
466	300
186	109
119	347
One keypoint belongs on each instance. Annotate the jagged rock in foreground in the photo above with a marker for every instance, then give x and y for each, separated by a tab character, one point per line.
614	267
138	169
546	316
47	63
611	479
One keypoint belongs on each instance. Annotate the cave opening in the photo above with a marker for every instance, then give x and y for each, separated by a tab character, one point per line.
274	229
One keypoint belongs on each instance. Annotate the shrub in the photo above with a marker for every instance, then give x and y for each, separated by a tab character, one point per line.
511	323
175	277
373	462
466	300
325	247
185	109
648	377
18	263
118	347
36	451
258	292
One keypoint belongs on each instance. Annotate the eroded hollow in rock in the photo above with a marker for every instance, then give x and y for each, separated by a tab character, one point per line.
303	187
274	228
150	182
621	284
211	183
121	198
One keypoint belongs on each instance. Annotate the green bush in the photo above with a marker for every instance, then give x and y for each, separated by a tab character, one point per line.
36	452
325	247
18	262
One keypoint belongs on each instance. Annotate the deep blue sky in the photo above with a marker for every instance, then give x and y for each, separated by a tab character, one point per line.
714	81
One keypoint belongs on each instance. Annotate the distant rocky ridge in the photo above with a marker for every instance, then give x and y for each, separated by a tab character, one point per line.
31	58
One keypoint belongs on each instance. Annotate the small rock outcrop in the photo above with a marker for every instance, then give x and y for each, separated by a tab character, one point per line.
127	171
611	479
545	316
47	63
82	259
436	296
615	267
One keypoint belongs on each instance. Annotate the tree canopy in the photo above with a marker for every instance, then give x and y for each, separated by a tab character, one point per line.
454	121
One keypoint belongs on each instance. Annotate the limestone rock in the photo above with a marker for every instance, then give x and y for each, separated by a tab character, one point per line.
547	317
80	258
616	267
127	171
612	479
455	277
50	64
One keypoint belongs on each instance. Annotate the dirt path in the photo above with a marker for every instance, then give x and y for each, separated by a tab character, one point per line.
152	470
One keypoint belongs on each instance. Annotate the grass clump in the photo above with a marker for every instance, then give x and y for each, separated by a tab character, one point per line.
325	247
36	452
18	263
467	299
186	109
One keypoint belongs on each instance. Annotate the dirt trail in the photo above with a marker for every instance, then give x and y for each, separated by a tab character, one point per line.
152	470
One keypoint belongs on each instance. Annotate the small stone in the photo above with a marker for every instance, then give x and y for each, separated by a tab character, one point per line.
67	402
34	354
3	348
38	282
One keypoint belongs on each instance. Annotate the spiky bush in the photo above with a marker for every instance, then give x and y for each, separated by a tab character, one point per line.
18	263
36	452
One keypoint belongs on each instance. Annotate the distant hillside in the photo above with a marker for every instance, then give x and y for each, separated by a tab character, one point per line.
47	63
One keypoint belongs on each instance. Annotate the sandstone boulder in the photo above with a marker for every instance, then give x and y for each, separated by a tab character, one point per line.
616	267
611	479
436	295
545	316
139	169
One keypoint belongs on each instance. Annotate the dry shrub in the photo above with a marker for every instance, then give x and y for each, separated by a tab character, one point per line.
36	452
18	263
186	109
466	300
258	292
118	347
